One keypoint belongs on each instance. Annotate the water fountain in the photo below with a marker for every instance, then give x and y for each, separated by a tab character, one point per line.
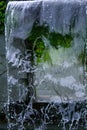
47	64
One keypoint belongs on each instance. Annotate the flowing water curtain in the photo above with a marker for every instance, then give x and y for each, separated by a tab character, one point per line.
48	38
85	66
70	24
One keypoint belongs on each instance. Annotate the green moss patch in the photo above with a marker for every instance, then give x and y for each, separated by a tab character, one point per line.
55	39
2	15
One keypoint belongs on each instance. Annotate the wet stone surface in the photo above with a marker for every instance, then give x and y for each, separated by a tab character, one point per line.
65	115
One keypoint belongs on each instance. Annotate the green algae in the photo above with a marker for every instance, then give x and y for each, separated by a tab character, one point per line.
55	39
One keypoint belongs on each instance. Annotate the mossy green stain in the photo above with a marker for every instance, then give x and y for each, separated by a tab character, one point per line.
38	31
55	39
39	47
81	57
2	15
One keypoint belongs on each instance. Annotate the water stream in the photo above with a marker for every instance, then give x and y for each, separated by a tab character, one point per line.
46	55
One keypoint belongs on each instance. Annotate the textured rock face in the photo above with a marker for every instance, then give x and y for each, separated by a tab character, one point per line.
64	78
3	80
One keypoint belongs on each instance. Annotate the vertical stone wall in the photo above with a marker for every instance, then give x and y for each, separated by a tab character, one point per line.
3	81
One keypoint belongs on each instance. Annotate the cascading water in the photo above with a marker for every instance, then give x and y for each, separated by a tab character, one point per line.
46	63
